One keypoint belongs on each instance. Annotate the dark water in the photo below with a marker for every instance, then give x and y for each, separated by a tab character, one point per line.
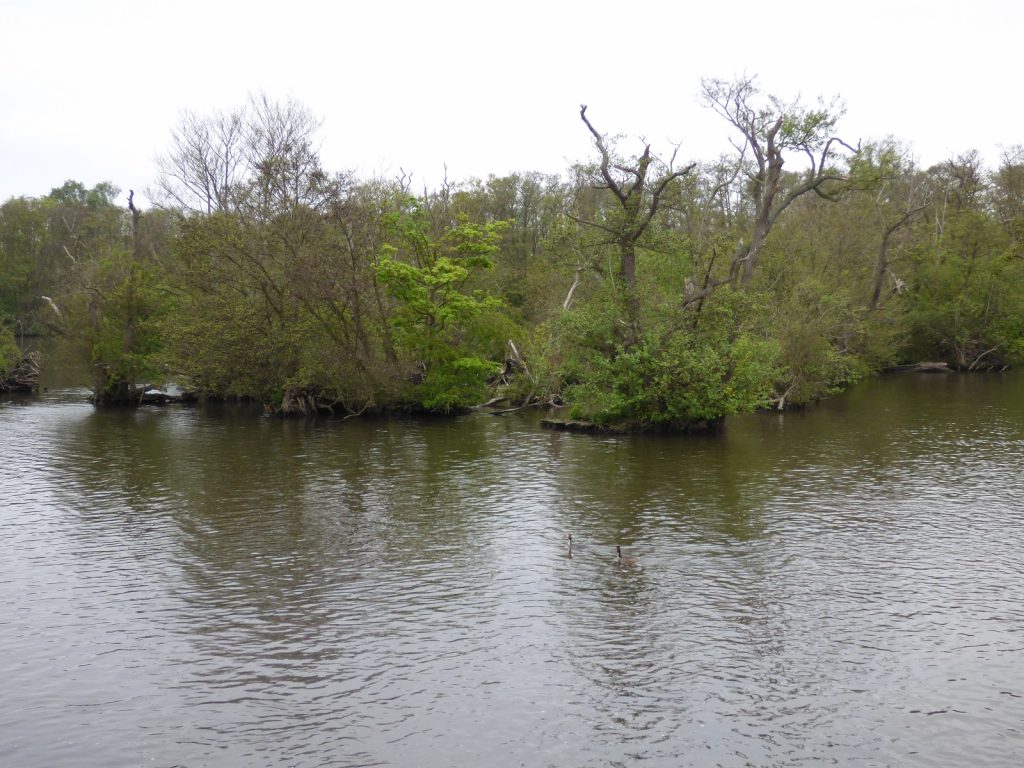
187	587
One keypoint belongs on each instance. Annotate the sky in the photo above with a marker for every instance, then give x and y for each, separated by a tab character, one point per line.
91	91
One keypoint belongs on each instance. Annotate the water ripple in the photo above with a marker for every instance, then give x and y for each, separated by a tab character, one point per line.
209	588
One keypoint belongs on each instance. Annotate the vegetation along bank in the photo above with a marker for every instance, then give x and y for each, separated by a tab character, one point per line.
640	290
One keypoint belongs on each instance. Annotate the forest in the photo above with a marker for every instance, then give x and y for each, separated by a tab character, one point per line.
637	291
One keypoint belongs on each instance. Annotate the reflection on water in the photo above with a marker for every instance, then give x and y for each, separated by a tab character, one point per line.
206	587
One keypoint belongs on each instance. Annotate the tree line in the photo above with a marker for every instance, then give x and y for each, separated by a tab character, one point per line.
640	291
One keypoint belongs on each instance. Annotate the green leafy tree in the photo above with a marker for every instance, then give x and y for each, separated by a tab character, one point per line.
449	338
24	238
966	305
109	308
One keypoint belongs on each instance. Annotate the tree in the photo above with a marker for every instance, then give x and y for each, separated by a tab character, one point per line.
900	195
24	276
638	196
964	302
525	266
647	363
259	241
1007	194
449	338
108	301
770	131
206	162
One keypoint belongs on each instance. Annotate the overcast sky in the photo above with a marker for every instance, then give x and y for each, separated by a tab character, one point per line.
91	90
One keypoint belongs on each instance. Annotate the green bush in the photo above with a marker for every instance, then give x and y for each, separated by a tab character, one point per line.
685	372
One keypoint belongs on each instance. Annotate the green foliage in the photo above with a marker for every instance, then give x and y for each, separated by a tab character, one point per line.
876	163
115	326
103	296
75	193
537	376
966	305
230	334
687	372
645	302
10	354
820	332
456	384
23	238
805	127
220	347
449	336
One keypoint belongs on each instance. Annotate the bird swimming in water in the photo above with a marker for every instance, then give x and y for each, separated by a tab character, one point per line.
630	562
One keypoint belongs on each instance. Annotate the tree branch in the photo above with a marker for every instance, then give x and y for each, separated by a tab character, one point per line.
605	159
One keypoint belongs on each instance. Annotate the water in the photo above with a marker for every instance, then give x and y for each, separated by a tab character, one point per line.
190	587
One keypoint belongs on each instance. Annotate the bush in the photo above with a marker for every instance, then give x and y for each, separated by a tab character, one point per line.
687	371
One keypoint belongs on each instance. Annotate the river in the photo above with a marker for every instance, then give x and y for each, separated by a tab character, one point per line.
190	586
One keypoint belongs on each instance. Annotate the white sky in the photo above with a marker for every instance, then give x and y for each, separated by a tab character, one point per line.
91	90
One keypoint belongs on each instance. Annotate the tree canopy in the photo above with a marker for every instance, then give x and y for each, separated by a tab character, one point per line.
642	290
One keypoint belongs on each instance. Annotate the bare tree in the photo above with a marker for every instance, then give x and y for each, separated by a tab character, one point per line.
769	133
260	157
282	161
638	195
205	163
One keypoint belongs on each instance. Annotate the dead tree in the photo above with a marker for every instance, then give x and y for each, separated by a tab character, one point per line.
637	195
768	134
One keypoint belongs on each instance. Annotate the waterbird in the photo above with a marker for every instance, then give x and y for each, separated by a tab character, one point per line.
627	561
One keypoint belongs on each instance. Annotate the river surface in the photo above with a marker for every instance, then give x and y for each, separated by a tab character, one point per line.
186	586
